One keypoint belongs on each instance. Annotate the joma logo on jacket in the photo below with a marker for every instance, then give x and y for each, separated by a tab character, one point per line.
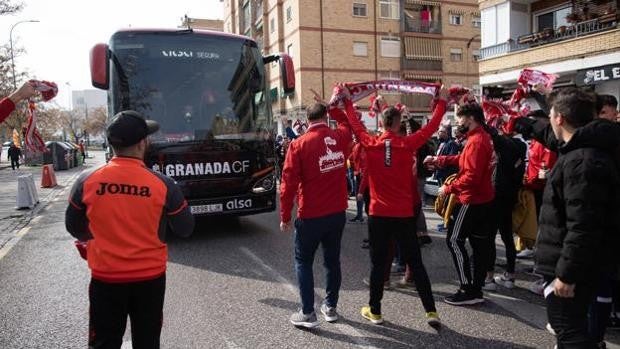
124	189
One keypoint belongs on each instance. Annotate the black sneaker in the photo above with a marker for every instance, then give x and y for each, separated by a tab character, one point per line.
464	298
425	240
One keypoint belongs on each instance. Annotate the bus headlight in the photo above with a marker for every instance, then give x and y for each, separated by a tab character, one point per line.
264	185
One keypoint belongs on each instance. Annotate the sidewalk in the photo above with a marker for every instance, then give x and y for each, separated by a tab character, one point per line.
12	219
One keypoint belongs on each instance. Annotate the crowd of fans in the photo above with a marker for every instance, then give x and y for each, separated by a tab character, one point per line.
550	180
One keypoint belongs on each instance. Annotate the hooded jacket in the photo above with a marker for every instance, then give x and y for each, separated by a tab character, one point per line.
579	219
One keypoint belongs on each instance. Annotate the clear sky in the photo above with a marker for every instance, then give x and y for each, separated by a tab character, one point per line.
58	46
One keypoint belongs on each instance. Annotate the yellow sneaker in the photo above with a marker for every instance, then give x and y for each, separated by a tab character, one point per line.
432	318
368	315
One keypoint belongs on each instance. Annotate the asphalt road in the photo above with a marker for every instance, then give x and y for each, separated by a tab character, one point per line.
232	285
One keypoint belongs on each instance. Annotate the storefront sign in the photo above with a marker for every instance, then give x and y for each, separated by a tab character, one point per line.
598	75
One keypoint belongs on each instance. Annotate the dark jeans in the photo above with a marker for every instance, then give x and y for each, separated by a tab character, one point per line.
14	163
309	233
470	222
503	223
110	303
569	317
381	231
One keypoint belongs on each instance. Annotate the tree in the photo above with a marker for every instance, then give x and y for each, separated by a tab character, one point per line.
95	124
7	7
72	122
49	122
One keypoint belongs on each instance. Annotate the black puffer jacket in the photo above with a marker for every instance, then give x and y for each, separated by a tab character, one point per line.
579	220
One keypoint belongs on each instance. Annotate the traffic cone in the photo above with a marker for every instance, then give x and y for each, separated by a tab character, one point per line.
48	179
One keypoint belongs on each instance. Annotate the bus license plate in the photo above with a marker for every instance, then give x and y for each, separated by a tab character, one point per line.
199	209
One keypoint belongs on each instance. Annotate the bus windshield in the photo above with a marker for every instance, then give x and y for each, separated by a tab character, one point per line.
196	86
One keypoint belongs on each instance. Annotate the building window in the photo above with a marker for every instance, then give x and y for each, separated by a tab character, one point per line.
289	50
553	19
456	54
272	25
476	55
390	9
476	22
289	14
359	9
456	19
360	49
390	47
246	17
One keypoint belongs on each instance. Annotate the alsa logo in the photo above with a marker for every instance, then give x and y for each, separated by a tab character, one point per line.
123	189
174	53
238	204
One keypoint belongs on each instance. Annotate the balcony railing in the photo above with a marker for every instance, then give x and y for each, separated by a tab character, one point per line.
420	26
416	102
548	36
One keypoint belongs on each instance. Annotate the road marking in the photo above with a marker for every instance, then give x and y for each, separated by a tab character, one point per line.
36	219
127	345
521	309
14	240
358	338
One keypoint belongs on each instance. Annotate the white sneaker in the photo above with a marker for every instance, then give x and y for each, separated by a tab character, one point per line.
504	281
489	285
538	287
550	329
527	253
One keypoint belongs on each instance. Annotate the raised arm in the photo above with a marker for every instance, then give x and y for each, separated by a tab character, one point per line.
420	137
358	129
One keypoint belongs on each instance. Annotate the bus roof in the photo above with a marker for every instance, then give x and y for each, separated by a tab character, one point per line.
196	31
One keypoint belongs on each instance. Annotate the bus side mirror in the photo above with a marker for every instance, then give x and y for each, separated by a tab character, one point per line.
287	72
100	66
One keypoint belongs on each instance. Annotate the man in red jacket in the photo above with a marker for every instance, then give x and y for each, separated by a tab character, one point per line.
474	191
7	104
315	171
393	203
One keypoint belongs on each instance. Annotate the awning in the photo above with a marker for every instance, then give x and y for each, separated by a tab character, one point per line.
423	2
426	77
456	12
475	14
422	48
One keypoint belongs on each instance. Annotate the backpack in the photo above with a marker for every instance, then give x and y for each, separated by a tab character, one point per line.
445	203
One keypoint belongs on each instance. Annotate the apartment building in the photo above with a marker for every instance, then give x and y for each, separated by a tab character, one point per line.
360	40
202	23
579	40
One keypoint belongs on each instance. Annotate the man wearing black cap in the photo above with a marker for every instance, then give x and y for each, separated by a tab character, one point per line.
122	211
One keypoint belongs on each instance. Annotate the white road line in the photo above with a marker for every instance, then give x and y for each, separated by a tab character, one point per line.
127	345
14	240
533	313
36	219
358	338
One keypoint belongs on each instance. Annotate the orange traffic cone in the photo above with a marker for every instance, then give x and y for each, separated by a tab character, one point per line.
48	179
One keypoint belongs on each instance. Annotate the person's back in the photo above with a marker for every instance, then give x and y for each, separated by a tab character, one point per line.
122	211
318	160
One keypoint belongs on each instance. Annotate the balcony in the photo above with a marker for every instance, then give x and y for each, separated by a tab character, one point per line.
549	36
420	26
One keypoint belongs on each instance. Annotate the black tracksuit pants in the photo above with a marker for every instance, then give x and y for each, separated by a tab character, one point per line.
111	303
381	232
471	222
503	223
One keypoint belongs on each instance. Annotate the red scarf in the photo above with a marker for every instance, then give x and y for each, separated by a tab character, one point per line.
364	89
34	141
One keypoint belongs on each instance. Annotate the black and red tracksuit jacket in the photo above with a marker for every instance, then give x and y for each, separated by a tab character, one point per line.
474	182
124	210
390	159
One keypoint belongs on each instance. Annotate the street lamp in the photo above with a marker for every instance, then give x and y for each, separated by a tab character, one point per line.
11	41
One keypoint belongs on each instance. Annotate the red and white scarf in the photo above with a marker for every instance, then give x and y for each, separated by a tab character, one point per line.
34	141
364	89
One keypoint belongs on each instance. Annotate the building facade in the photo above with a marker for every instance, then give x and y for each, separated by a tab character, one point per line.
360	40
88	99
579	40
202	23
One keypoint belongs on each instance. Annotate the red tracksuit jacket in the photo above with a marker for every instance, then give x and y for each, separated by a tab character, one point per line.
389	163
315	170
474	182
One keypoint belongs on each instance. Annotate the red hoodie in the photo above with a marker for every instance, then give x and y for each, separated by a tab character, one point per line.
315	170
389	163
538	155
474	181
